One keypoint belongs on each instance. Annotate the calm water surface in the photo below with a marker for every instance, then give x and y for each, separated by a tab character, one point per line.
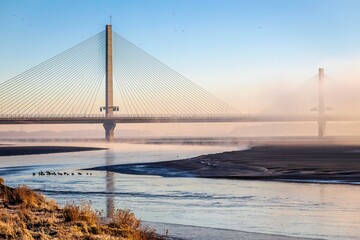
327	211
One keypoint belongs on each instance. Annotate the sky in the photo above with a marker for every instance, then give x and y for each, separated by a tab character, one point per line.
239	50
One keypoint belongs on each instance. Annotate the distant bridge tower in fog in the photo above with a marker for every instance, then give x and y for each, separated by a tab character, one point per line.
322	109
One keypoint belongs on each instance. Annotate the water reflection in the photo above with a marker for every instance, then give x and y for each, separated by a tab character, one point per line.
110	186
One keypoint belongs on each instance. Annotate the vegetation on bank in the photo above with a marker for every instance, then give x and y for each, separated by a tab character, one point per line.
25	214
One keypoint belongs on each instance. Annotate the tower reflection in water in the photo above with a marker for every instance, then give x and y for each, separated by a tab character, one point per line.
110	186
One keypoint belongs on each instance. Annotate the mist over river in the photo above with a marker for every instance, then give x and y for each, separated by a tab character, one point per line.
327	211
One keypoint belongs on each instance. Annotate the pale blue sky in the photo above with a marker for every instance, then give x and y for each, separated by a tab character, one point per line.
225	46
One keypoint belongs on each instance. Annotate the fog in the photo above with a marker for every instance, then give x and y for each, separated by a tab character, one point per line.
275	96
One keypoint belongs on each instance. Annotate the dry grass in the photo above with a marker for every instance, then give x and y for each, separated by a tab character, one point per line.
73	213
26	197
124	219
26	214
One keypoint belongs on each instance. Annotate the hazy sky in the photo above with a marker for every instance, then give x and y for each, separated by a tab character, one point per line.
235	49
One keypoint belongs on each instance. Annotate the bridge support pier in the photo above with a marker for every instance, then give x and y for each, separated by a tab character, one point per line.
109	131
321	128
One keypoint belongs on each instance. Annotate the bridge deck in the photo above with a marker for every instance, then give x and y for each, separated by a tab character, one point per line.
86	119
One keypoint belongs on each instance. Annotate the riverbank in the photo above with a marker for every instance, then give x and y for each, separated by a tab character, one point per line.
307	163
6	150
25	214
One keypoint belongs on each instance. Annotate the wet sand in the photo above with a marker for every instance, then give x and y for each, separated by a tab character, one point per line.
327	163
30	150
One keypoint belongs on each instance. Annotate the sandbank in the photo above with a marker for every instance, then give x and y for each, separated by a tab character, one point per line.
327	163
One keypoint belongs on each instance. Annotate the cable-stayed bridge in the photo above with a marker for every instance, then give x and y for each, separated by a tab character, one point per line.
106	79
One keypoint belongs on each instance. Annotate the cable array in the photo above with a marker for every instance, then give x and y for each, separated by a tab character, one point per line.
73	83
147	86
67	83
301	100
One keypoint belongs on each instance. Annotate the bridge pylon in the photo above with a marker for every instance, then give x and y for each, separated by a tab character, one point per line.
109	106
321	120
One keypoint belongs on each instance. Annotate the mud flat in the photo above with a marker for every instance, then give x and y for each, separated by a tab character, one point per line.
30	150
304	163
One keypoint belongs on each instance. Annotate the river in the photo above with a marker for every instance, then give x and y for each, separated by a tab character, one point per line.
327	211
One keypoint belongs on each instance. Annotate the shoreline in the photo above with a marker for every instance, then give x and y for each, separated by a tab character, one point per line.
300	163
32	150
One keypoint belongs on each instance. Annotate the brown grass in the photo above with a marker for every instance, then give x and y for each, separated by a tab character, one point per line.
124	219
26	214
23	195
73	213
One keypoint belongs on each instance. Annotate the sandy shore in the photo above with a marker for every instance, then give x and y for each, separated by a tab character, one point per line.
30	150
328	163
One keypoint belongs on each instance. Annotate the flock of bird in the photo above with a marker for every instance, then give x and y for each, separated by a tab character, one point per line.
48	173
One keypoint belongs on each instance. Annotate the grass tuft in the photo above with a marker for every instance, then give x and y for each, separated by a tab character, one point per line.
124	219
24	196
83	213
